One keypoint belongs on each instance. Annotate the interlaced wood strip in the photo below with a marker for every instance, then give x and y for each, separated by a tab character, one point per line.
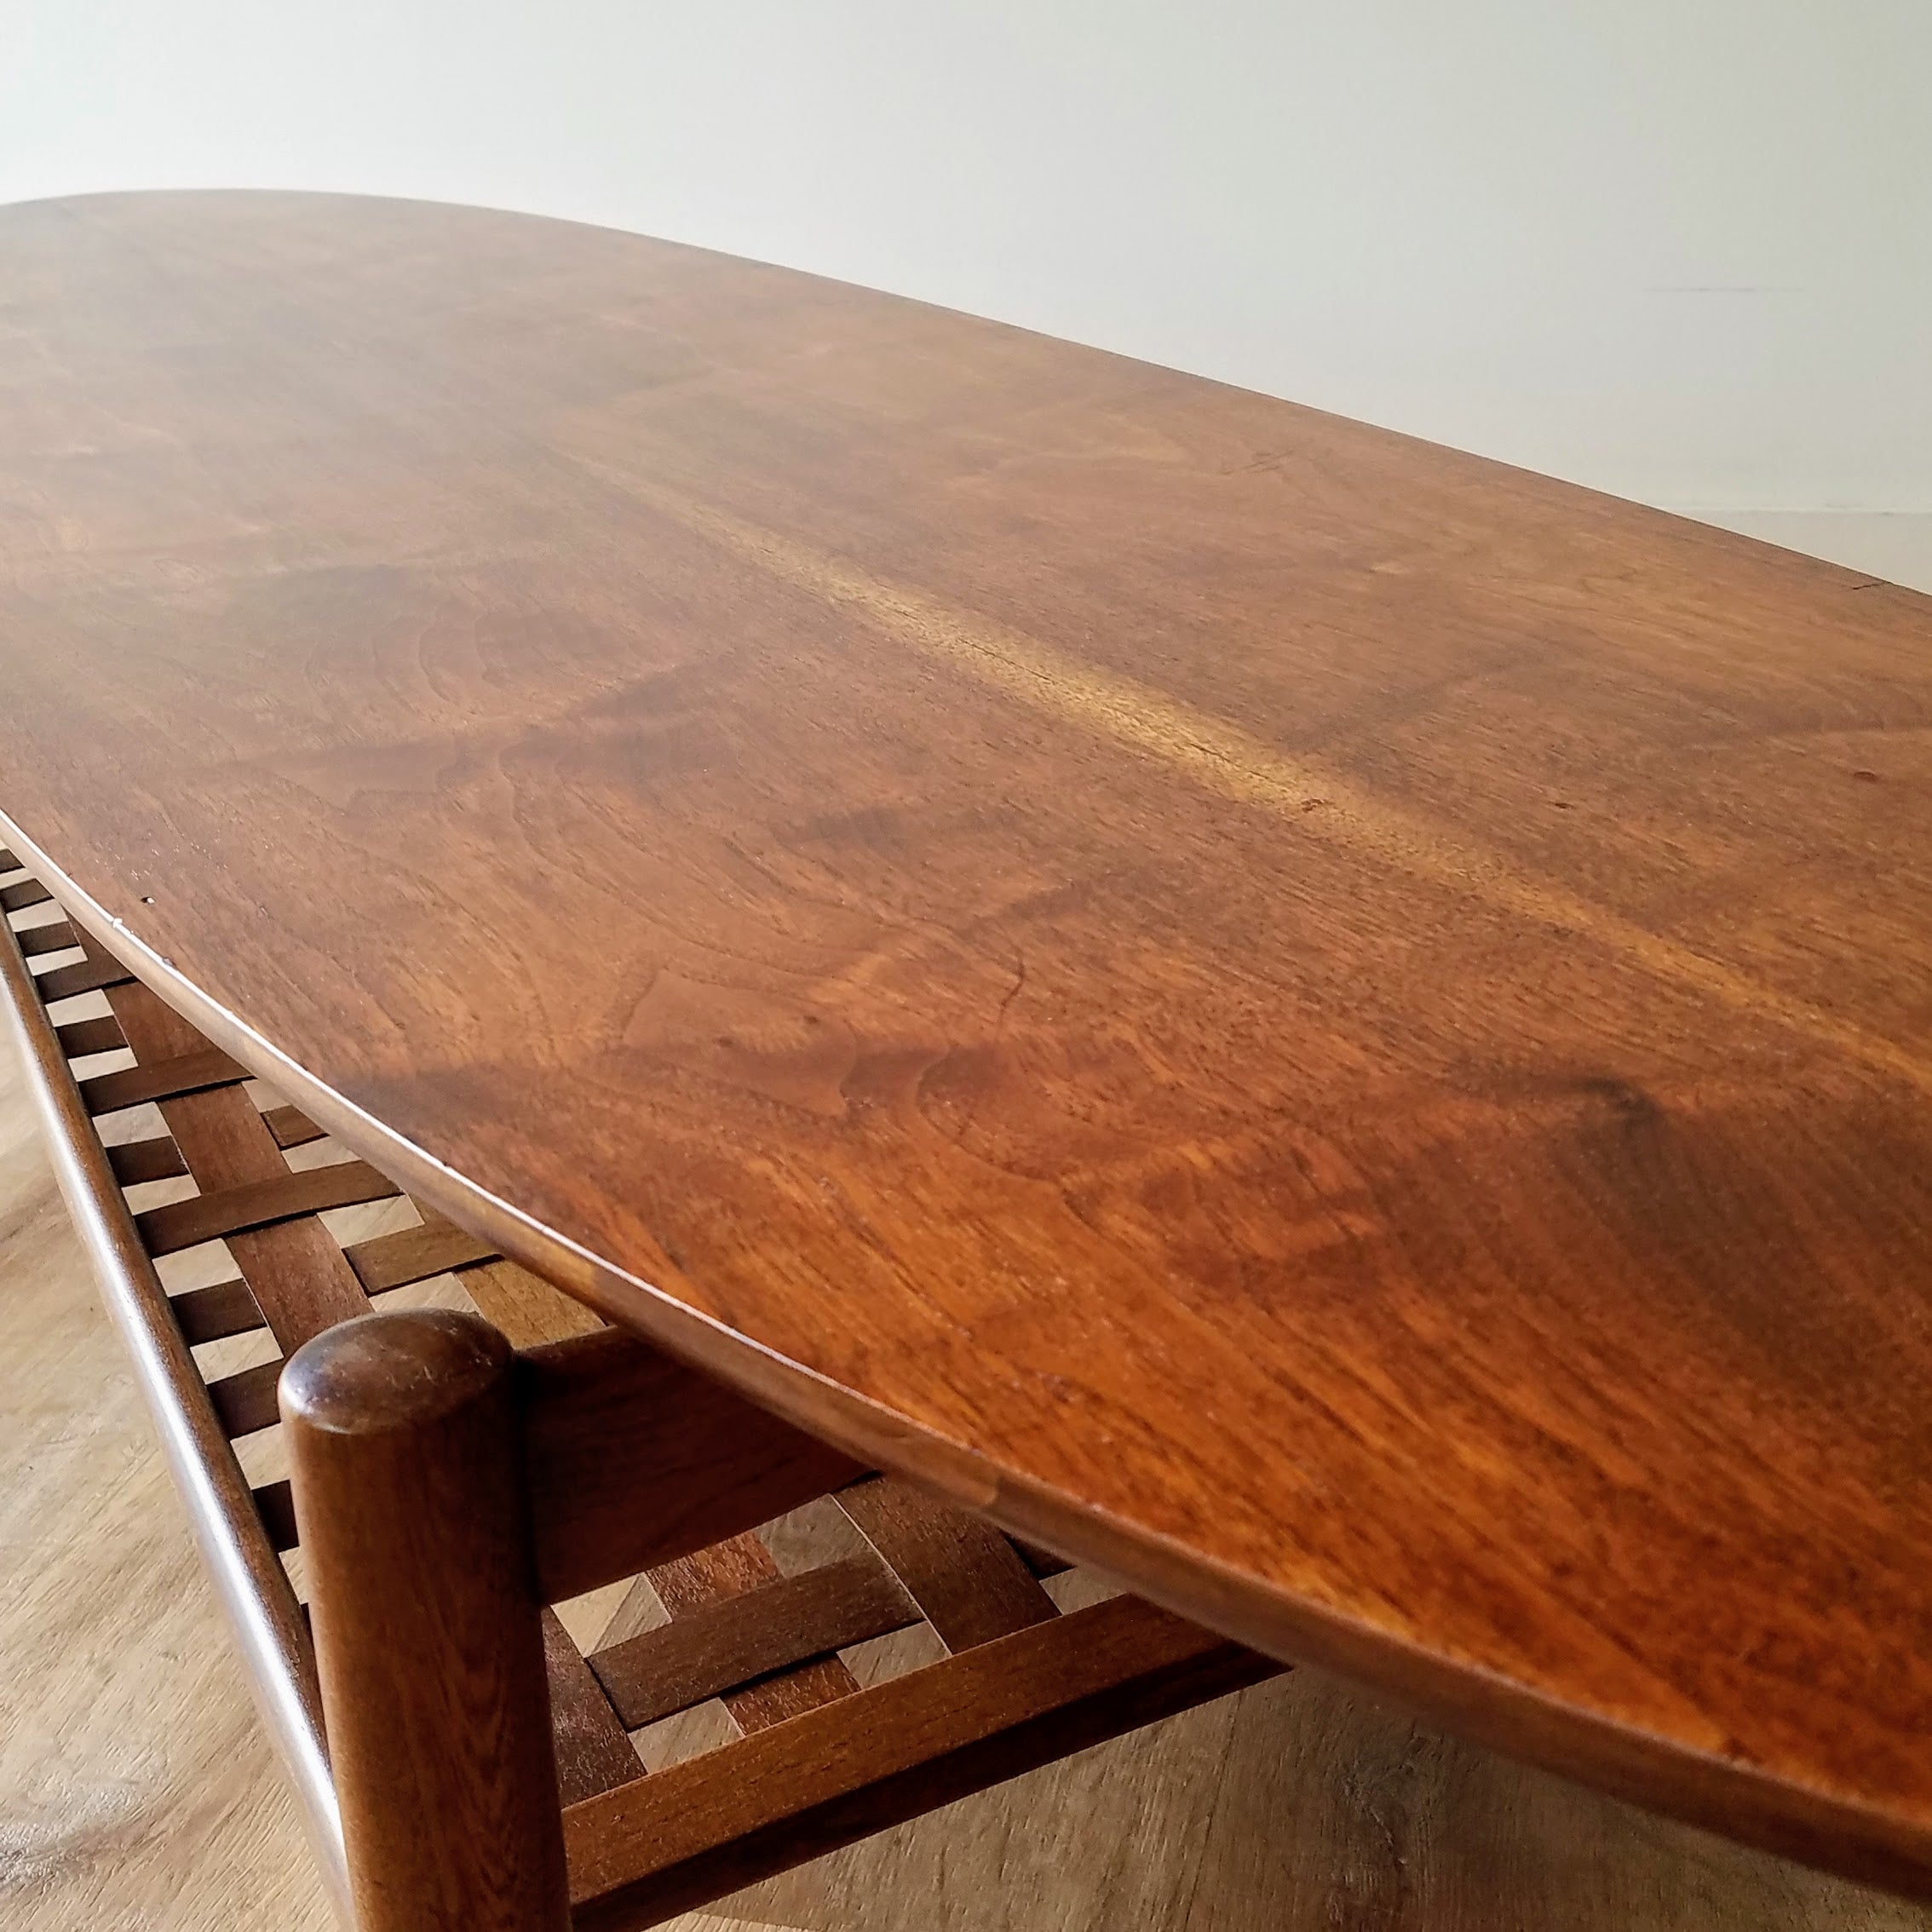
593	1751
186	1073
967	1580
414	1254
137	1161
291	1126
212	1314
275	1502
79	1038
816	1760
701	1583
257	1204
680	1837
715	1646
60	937
294	1268
93	974
246	1400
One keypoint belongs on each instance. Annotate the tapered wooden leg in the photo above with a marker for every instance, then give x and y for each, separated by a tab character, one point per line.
402	1443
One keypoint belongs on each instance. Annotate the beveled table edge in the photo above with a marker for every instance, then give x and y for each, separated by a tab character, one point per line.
1738	1800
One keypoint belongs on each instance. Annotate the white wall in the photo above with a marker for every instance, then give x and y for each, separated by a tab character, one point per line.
1678	249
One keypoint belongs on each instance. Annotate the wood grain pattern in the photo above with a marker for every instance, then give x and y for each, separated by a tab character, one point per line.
718	1643
968	1580
140	1789
599	1407
1336	1028
402	1442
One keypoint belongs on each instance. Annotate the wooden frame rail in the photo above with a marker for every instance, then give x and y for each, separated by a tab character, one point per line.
462	1760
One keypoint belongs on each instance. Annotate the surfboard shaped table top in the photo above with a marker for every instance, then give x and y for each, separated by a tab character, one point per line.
1341	1030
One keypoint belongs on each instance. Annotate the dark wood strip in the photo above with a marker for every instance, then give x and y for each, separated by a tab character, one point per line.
156	1160
209	1314
695	1831
274	1502
701	1583
56	937
80	1038
723	1645
593	1755
22	894
246	1400
257	1204
414	1254
9	863
162	1079
633	1459
1042	1563
291	1126
295	1268
90	974
967	1580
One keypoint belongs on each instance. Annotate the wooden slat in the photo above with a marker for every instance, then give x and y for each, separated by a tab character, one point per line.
414	1254
22	894
1041	1562
296	1268
701	1583
91	975
722	1645
291	1126
136	1161
210	1315
257	1204
57	936
155	1080
246	1400
633	1459
967	1580
696	1830
593	1755
274	1502
80	1038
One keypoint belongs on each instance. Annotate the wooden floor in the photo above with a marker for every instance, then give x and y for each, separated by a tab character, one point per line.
136	1789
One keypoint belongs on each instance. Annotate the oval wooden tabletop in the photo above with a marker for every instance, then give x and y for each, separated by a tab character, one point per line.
1342	1029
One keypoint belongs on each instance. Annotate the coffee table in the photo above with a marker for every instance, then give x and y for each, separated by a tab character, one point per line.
1332	1028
